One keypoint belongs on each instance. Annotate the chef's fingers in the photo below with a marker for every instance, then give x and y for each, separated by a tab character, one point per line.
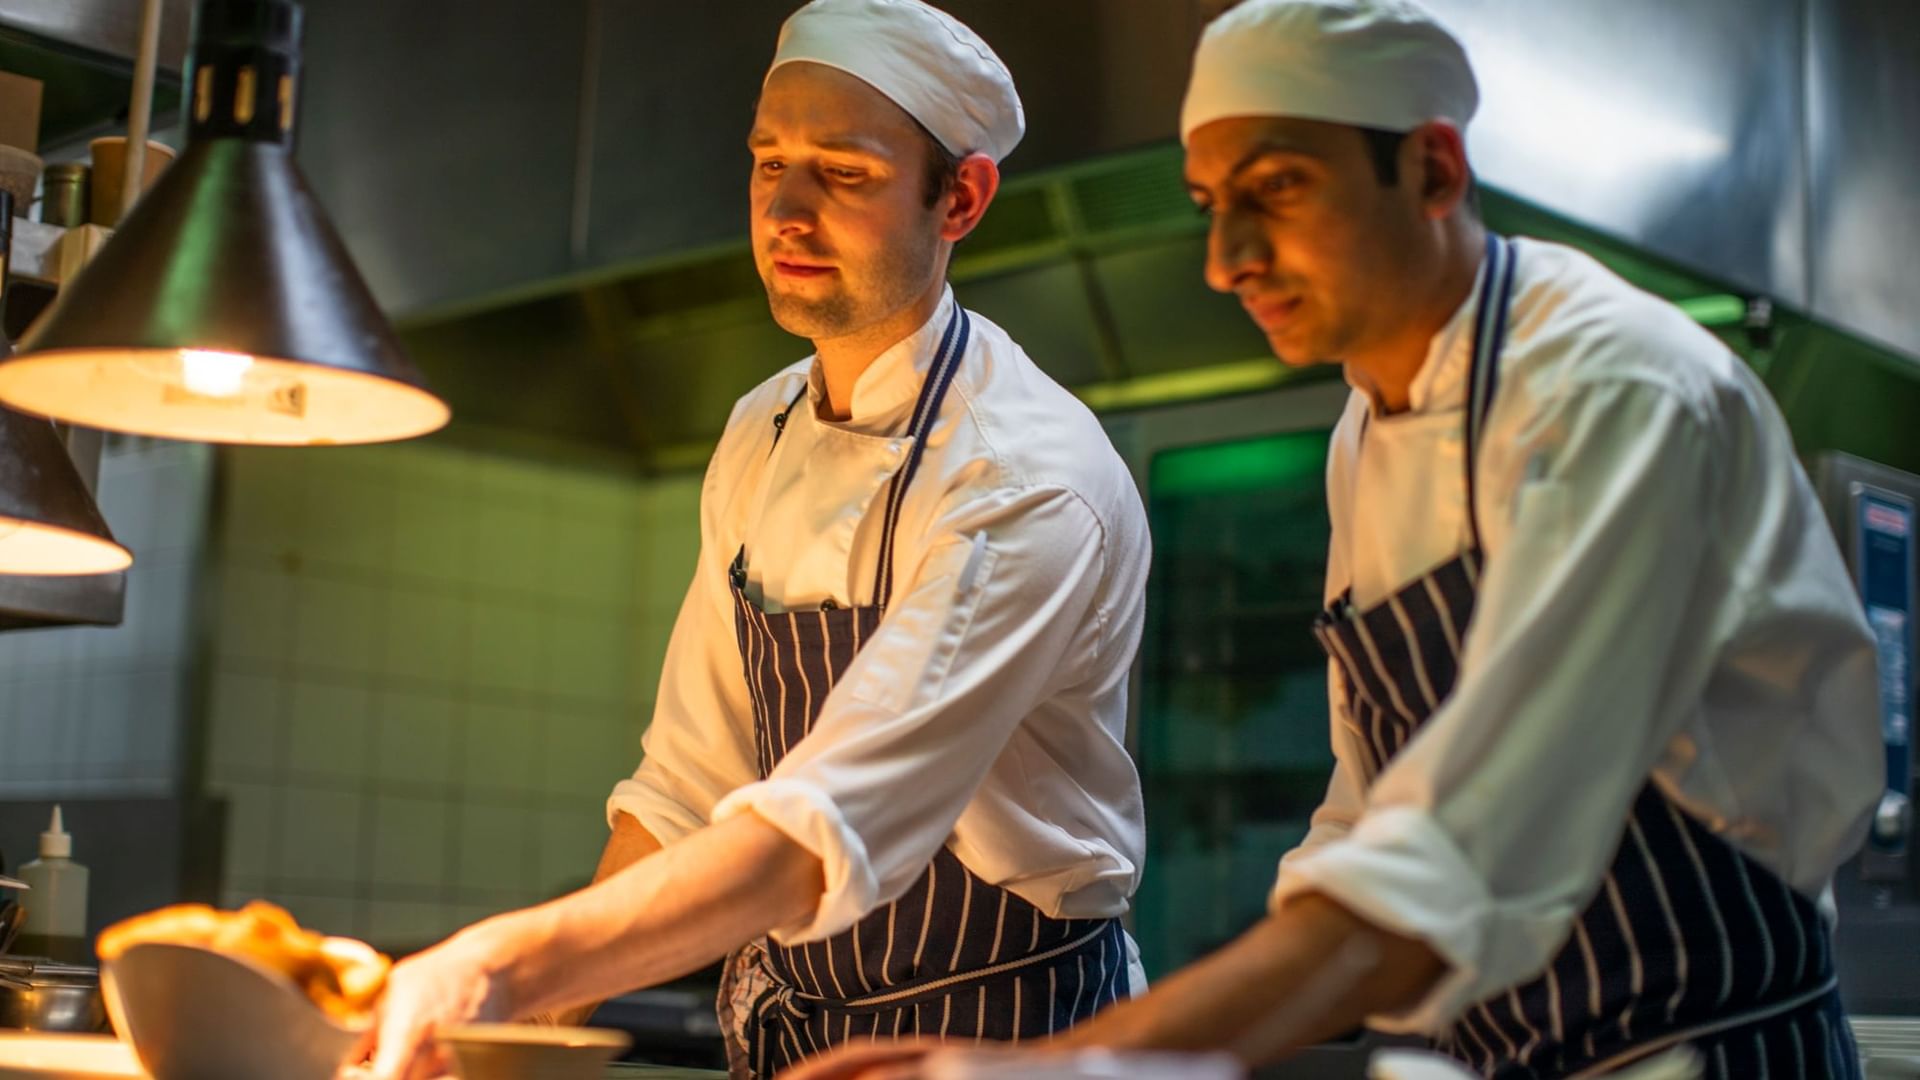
399	1038
363	1049
433	1062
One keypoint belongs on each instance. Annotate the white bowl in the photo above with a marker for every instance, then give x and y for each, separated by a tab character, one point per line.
195	1014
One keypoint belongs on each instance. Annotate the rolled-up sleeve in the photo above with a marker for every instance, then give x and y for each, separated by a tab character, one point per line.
998	614
1491	829
699	745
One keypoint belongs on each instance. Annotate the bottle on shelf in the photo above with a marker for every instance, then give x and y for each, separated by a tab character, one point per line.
55	920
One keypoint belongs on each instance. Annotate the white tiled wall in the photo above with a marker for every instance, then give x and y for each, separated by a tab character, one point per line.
430	665
100	711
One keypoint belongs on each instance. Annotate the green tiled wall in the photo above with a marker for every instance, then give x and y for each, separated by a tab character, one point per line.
429	666
96	712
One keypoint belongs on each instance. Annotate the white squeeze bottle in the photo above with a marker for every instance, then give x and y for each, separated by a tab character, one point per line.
56	903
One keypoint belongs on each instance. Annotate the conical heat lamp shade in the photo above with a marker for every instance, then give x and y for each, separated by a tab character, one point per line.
225	308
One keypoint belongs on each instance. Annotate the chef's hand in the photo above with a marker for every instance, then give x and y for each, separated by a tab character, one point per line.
457	981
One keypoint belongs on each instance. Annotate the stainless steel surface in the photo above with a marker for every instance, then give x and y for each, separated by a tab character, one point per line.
1676	126
439	136
40	995
601	237
515	117
1095	268
1760	141
1863	60
109	27
677	86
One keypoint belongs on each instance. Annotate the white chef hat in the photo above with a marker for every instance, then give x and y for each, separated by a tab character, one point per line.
923	59
1383	64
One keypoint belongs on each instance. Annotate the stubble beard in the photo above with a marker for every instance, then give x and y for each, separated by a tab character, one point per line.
863	295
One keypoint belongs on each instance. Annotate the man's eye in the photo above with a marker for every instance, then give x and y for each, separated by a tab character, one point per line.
1204	209
839	173
1280	183
769	168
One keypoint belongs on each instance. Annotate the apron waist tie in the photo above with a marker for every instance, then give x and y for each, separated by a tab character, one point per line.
799	1005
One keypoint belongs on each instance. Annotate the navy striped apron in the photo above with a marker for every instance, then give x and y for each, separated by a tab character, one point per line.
954	956
1688	939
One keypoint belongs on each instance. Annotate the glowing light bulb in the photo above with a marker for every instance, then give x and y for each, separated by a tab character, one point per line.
214	374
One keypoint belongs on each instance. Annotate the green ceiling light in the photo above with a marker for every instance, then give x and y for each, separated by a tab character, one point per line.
1192	384
1718	309
1292	460
225	308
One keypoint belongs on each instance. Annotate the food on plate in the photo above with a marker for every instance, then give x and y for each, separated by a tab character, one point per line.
344	977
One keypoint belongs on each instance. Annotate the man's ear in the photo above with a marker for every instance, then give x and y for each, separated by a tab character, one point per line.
976	182
1434	157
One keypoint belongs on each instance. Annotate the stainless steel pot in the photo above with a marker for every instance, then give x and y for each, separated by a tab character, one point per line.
42	995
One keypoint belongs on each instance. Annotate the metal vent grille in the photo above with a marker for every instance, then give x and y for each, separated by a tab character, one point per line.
1137	191
1019	218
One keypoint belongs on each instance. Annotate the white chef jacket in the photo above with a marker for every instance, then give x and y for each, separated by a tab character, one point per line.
1662	598
989	711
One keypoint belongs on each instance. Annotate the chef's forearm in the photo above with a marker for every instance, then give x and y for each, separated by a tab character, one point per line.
1304	974
670	913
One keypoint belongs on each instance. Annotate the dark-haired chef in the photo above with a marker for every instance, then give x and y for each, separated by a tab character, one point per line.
886	774
1603	697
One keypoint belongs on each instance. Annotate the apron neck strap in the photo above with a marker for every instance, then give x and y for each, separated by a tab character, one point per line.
946	362
1489	338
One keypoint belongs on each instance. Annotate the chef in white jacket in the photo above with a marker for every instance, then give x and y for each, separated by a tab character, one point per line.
886	774
1603	697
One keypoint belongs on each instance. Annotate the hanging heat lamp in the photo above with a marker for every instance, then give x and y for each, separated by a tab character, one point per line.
225	309
48	522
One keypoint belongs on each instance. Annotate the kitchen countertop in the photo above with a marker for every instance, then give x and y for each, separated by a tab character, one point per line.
627	1070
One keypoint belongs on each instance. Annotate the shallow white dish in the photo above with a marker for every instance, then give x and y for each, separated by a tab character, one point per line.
519	1051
